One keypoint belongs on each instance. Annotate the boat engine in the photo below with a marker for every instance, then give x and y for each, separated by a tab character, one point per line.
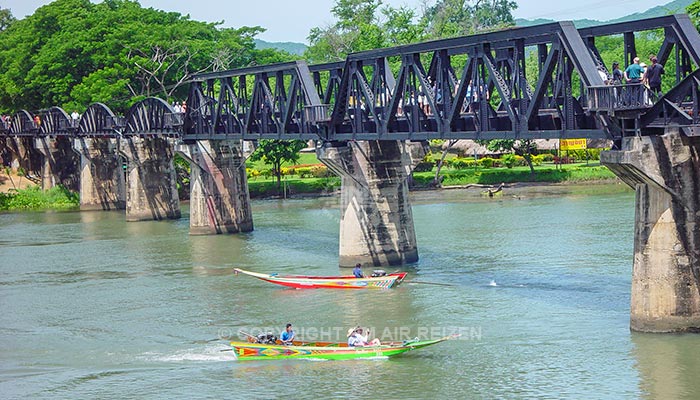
378	272
267	338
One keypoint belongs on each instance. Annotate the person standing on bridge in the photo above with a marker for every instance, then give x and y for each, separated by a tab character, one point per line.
616	74
634	74
653	75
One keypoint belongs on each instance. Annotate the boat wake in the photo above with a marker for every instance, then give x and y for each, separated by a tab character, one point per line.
493	283
200	354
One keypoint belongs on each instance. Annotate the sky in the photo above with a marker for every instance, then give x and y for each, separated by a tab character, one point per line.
291	20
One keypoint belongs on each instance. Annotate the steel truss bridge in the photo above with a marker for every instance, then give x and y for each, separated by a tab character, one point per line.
521	83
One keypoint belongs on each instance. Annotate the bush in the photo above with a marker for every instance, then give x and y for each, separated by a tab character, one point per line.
34	198
320	171
424	166
253	173
509	160
546	157
488	162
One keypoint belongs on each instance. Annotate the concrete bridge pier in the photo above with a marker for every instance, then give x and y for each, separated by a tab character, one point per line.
102	184
219	197
59	163
376	222
23	154
151	183
665	172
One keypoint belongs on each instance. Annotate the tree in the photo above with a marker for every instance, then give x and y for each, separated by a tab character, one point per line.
73	53
6	18
521	147
449	18
693	11
362	25
276	152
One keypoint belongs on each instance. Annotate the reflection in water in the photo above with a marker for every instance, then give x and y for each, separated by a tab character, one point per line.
668	365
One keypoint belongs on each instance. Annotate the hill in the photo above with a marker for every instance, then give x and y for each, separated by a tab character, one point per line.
289	47
674	7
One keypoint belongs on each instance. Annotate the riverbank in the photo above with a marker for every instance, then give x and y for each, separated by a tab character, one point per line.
477	178
19	193
10	181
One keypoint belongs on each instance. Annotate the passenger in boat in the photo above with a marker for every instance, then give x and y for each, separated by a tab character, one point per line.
287	336
357	339
357	271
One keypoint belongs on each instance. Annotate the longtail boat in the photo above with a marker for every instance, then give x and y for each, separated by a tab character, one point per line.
329	282
326	350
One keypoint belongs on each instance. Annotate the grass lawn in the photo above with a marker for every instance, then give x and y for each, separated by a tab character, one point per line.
304	158
580	172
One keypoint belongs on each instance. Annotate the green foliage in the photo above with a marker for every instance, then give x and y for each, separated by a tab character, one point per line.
693	11
182	172
6	18
365	24
449	18
73	53
487	162
509	160
33	198
425	165
494	176
275	152
268	188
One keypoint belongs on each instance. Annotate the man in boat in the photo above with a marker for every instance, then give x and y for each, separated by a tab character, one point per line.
357	339
287	336
357	271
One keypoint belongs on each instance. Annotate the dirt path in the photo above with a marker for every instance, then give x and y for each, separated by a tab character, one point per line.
13	181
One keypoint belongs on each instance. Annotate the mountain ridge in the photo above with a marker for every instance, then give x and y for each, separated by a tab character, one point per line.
673	7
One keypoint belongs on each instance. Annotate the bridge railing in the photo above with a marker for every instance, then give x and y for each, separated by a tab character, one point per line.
318	113
116	122
620	98
174	120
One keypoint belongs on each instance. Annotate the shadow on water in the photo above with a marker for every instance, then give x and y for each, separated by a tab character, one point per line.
667	364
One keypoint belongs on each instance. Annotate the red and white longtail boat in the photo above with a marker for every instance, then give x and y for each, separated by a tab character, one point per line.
329	282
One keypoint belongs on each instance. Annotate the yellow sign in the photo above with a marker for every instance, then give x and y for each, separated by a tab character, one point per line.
572	144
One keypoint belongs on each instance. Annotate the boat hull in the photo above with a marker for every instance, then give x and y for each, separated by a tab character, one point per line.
329	282
253	351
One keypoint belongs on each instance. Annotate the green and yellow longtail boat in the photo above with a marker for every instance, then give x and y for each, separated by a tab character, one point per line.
326	350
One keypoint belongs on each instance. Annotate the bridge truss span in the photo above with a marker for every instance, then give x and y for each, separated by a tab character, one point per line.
277	101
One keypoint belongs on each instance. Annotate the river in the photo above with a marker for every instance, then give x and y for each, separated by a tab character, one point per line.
94	307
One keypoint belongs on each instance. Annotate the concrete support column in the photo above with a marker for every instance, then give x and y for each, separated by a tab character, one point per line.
59	162
26	156
219	197
46	146
376	222
101	176
151	183
665	172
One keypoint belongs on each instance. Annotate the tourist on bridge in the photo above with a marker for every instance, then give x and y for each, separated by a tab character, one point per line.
653	75
616	74
634	74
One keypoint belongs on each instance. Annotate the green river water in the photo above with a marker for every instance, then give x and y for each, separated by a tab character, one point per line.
92	307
